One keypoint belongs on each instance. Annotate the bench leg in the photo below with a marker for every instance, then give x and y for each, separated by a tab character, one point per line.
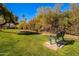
50	41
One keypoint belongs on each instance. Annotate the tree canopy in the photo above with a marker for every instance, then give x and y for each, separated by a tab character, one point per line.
53	20
7	15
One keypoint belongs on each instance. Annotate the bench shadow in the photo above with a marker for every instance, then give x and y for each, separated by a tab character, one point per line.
66	42
69	42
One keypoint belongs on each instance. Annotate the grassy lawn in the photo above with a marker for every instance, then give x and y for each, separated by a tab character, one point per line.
12	44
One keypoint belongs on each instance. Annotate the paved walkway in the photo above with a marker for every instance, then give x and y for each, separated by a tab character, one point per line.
53	46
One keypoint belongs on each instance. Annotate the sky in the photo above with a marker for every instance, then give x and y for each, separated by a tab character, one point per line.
30	9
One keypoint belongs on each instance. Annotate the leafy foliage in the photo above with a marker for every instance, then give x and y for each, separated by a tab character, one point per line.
22	25
53	20
8	16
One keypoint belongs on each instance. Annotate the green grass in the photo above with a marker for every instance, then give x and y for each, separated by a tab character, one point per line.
12	44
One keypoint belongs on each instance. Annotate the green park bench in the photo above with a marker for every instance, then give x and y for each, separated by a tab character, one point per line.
56	39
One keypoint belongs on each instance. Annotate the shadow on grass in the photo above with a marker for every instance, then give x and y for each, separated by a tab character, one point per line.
66	42
69	42
28	33
21	32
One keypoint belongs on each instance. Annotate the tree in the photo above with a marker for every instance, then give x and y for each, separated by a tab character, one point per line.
44	15
75	17
53	20
23	24
31	24
7	15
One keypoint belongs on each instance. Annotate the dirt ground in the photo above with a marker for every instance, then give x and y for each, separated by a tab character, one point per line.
66	35
54	46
